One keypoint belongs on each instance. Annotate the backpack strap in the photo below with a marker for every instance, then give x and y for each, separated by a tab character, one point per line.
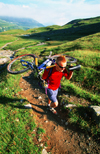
47	79
49	74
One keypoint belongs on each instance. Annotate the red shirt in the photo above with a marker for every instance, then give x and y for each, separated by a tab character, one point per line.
55	77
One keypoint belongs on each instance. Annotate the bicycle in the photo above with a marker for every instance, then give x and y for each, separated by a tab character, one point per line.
25	62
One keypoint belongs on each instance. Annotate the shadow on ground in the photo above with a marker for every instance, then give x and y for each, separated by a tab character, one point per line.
40	107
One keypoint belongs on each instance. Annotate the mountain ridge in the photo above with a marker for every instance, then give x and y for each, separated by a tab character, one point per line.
7	23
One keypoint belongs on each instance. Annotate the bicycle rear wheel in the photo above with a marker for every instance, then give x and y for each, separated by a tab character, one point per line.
17	65
68	58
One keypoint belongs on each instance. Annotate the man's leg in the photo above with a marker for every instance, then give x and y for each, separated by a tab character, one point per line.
51	106
52	100
49	102
55	104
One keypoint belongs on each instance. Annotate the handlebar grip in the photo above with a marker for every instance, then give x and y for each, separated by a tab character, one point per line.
77	67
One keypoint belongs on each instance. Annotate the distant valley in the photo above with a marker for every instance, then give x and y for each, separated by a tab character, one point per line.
8	23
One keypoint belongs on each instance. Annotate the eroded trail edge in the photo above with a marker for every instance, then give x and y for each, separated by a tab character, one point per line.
60	138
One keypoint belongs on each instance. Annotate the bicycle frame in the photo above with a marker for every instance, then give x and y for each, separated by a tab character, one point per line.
41	67
32	63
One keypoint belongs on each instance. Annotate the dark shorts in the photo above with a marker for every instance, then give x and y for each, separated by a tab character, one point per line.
52	94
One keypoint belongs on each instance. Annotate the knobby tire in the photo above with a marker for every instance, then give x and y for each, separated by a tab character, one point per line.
16	64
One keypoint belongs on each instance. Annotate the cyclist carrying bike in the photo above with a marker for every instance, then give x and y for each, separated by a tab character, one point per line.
58	71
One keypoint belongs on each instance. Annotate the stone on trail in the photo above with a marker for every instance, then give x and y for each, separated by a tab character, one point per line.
69	105
28	106
3	60
44	151
5	56
96	113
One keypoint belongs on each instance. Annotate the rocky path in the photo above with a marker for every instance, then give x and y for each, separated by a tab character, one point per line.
61	137
6	54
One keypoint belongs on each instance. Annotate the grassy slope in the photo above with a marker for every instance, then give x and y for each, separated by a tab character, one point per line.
5	26
8	23
68	39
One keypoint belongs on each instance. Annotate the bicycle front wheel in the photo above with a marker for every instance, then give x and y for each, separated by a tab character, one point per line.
17	65
69	59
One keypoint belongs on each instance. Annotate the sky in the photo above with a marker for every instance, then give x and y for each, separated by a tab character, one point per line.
51	12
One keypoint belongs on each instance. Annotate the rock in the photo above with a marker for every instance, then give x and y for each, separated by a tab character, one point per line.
41	145
44	151
6	53
55	128
69	105
39	97
39	139
34	130
42	101
96	114
3	60
28	106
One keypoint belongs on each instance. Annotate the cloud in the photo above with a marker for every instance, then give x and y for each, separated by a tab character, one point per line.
25	6
53	11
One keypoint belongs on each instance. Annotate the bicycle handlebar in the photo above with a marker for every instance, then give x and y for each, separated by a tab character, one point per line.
72	68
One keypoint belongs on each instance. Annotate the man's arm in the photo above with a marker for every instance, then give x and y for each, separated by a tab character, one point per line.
68	75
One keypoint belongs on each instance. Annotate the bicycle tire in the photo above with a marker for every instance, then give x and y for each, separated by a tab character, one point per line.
68	58
16	67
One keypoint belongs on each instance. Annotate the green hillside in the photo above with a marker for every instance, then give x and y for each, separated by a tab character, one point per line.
79	38
5	26
72	41
8	23
85	21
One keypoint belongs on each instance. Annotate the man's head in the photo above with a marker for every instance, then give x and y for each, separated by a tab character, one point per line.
61	63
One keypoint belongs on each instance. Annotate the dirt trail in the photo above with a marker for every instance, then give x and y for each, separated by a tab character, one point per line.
60	138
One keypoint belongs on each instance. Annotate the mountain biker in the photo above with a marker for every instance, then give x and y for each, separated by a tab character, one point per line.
58	71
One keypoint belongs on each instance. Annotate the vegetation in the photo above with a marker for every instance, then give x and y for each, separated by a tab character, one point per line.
8	23
84	45
17	126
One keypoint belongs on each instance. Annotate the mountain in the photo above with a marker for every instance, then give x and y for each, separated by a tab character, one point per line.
83	26
7	23
4	26
85	21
